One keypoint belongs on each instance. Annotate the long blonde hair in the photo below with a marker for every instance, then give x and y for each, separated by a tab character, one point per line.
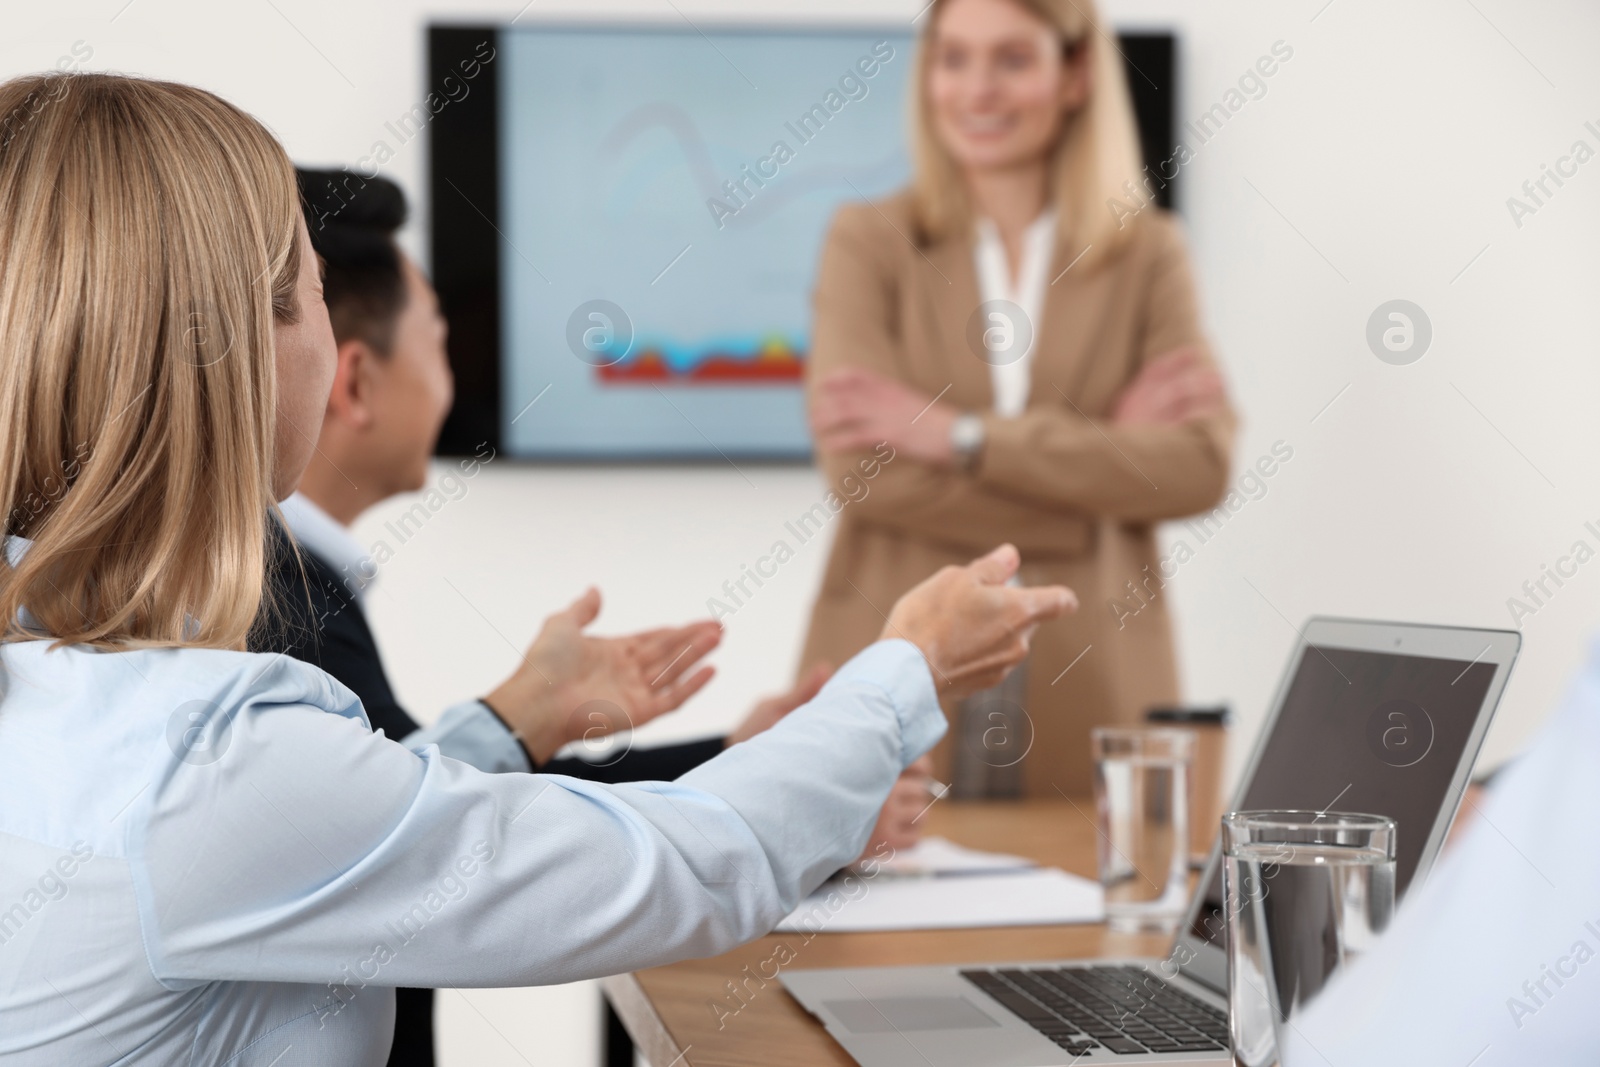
1096	152
148	246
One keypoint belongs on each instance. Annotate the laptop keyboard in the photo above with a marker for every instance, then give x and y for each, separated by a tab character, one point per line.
1123	1009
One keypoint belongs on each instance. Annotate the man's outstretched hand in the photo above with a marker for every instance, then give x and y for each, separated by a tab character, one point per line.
970	625
573	686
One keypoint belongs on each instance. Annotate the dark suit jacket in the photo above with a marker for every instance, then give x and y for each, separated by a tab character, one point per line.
313	617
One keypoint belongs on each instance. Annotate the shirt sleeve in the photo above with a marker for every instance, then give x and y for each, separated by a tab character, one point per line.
472	733
316	852
1493	960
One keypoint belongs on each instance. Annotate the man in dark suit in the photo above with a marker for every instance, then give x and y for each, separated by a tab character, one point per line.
391	392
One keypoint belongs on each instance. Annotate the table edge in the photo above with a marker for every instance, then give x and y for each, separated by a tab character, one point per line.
640	1018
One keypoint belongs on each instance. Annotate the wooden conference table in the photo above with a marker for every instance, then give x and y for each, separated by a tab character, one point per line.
669	1012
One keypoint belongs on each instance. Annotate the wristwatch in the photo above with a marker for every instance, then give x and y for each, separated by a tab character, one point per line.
966	438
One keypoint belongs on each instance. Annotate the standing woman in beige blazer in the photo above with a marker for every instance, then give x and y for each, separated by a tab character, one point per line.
1025	337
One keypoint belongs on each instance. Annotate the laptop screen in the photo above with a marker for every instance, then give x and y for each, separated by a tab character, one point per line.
1362	731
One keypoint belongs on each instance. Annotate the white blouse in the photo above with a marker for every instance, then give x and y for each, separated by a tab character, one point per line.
1010	380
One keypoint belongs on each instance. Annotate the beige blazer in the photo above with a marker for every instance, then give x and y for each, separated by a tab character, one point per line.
1075	494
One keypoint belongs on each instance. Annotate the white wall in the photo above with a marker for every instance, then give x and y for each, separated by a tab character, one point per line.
1376	166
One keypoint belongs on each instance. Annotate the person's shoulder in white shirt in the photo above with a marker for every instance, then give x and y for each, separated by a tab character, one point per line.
1495	960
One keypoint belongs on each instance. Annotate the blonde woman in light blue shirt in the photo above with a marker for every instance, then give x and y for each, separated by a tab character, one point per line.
164	361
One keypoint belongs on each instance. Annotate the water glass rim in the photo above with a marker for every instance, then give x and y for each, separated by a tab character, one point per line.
1154	733
1296	819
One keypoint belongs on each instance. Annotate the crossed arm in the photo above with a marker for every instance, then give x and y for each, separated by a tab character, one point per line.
1161	451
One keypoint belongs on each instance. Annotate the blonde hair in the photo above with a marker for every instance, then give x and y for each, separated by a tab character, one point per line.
148	246
1096	151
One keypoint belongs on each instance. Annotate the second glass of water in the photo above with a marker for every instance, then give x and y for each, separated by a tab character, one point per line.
1306	893
1141	789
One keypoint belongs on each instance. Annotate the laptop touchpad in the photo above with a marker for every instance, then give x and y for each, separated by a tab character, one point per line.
884	1014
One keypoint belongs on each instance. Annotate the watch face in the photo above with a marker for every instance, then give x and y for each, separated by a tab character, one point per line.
966	433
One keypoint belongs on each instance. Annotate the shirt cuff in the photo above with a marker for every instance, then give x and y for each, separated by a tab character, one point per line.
472	733
899	669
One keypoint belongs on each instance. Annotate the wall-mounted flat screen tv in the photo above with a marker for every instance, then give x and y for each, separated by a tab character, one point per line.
626	221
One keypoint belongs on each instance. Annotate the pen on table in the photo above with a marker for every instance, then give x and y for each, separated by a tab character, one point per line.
935	789
959	872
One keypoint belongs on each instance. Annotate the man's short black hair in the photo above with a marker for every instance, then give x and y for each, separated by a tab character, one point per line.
353	220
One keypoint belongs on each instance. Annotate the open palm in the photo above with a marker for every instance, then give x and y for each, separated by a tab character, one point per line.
573	686
619	683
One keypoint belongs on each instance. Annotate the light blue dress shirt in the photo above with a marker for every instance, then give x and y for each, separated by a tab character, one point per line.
467	731
1495	960
206	857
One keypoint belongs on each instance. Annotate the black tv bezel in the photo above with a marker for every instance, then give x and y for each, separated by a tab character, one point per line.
464	214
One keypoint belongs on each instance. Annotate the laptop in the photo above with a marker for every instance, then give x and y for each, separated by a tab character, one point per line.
1382	718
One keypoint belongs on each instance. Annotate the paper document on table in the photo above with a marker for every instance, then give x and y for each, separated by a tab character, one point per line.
939	855
1022	897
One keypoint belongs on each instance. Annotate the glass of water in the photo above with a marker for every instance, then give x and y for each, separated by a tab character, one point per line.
1306	893
1141	792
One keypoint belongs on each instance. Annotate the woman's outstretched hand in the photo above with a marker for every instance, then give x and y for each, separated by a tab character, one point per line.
970	625
572	686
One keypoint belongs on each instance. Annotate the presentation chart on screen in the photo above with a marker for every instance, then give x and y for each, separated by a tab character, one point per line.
664	199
